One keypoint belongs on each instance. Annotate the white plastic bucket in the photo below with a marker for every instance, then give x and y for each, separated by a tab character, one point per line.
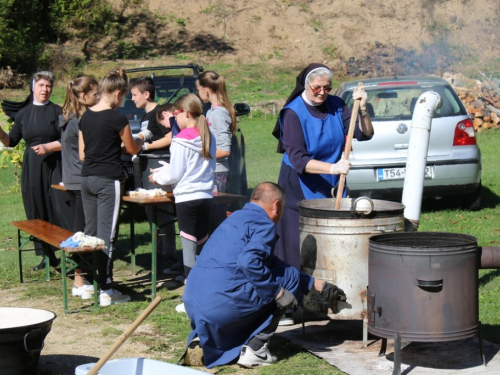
138	366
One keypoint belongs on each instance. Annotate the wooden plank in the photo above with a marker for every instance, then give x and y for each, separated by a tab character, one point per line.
44	231
169	199
85	249
51	234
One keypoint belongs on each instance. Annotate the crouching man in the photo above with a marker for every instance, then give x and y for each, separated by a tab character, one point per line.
238	290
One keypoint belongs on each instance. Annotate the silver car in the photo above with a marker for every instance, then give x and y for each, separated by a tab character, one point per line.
378	165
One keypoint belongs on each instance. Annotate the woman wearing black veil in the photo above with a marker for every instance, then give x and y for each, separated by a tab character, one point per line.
311	131
37	123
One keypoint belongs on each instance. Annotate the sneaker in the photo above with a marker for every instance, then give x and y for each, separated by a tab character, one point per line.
181	279
286	320
176	269
116	297
79	291
180	308
88	293
262	357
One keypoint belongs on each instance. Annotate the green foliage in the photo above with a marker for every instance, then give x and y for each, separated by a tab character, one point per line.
180	21
126	50
12	156
331	51
26	26
23	31
85	15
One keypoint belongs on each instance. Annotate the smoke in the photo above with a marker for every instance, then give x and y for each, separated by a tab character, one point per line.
383	60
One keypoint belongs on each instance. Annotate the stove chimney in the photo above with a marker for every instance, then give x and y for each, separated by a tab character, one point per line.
416	161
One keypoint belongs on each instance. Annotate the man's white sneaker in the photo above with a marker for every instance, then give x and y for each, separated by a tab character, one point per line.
180	308
80	291
262	357
116	297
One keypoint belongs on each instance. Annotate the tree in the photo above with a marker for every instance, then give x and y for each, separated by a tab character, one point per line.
25	25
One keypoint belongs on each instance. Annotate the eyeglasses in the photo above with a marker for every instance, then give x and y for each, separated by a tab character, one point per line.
317	90
175	113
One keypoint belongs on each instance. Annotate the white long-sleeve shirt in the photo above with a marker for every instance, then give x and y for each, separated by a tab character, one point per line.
191	175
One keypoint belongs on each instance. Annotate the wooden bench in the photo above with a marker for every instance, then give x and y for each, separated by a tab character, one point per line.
54	235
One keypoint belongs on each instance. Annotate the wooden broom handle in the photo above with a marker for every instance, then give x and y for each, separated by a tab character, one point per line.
124	336
350	134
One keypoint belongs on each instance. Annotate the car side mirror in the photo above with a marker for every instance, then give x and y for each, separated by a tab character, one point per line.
241	109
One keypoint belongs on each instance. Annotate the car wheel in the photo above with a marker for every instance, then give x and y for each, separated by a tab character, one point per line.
472	202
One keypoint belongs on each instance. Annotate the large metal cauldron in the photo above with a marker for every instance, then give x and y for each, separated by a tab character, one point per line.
334	247
423	285
22	335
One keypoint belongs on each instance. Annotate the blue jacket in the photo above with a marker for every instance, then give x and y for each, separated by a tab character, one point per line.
230	292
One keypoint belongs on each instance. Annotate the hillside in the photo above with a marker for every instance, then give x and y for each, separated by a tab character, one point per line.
352	36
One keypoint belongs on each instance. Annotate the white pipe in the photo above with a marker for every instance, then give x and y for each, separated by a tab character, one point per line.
416	160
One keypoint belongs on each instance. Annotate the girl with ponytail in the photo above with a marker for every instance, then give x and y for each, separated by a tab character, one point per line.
191	172
221	118
81	93
103	130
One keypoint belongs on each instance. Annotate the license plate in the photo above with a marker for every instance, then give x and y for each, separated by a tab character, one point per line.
384	174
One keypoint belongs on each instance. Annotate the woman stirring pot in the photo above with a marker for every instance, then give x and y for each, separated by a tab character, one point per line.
311	130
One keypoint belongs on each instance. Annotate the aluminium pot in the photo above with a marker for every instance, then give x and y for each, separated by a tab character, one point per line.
334	247
22	335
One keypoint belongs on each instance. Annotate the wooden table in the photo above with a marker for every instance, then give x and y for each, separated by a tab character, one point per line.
144	200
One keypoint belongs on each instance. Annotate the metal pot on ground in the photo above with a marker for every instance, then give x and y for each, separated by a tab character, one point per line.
334	247
22	335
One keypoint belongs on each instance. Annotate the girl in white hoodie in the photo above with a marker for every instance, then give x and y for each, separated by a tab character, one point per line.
191	172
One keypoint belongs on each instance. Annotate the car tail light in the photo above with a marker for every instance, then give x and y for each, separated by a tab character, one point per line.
465	135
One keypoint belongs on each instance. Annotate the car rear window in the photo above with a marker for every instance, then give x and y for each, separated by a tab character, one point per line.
166	89
398	102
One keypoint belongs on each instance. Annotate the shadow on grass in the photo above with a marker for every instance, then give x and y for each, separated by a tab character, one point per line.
491	332
489	199
486	278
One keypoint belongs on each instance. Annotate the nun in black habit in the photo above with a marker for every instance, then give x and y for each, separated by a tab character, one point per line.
311	130
37	123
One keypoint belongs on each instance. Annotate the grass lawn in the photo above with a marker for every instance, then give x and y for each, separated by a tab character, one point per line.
262	164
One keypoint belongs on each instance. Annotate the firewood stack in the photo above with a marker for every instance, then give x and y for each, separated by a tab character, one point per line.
480	98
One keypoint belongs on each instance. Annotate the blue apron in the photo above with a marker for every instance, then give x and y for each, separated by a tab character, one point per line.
325	140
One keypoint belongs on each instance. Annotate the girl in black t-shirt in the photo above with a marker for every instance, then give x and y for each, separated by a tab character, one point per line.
102	131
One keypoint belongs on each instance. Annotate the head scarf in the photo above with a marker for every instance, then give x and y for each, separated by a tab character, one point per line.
300	86
11	108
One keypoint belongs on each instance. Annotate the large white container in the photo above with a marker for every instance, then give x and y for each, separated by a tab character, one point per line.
138	366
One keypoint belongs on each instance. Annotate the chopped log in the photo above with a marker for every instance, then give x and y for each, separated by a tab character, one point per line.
489	80
495	118
493	109
477	123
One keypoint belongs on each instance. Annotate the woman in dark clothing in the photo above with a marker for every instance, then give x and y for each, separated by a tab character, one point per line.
37	124
311	129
